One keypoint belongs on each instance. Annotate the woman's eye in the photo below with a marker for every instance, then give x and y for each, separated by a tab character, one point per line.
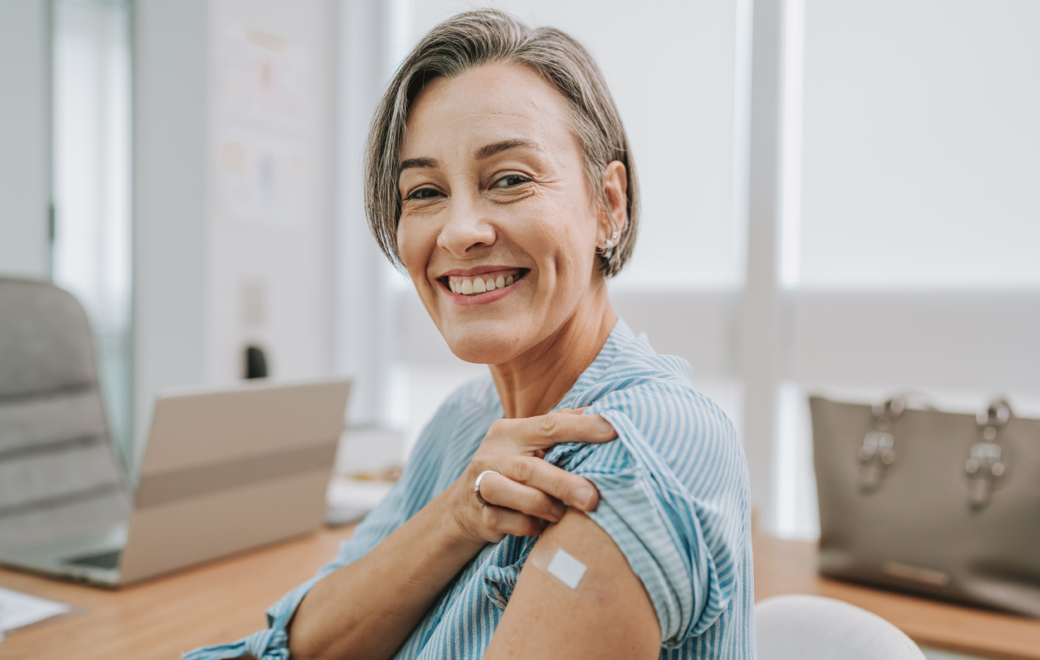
423	193
510	180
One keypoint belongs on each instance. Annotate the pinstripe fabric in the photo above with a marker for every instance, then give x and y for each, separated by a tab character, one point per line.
673	495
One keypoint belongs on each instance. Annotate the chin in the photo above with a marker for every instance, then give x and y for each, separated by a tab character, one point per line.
478	348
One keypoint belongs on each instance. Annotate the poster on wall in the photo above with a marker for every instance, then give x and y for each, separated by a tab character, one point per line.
260	150
260	176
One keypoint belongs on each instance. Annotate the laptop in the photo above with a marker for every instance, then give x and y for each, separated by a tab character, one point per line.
224	470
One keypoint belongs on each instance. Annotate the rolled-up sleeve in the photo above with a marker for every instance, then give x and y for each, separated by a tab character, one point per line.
678	524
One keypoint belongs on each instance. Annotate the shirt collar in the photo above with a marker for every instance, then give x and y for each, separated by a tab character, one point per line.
620	337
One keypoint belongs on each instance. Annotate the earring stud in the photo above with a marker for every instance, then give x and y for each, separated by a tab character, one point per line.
608	248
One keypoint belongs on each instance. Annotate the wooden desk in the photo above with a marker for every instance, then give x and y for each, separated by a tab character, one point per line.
160	619
789	567
225	600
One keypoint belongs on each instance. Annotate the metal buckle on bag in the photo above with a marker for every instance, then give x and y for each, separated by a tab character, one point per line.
878	452
984	465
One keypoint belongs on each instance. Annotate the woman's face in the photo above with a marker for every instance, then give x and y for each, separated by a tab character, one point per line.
498	228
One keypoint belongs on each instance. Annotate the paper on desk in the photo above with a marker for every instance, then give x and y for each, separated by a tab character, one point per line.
18	609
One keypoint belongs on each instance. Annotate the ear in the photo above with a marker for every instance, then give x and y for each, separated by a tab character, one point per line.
615	193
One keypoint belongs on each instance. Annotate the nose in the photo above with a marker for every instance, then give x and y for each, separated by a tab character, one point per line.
467	227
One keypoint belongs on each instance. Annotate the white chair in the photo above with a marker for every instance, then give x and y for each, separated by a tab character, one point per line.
797	627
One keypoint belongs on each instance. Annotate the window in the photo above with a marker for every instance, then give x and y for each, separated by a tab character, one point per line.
92	246
920	141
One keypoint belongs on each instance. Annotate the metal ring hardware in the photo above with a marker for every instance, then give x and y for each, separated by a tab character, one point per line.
987	462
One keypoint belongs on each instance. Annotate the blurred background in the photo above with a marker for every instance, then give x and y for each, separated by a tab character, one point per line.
839	197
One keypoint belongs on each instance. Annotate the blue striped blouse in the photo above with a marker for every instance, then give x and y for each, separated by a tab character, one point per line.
673	495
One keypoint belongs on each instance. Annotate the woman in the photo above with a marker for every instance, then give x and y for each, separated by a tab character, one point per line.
499	177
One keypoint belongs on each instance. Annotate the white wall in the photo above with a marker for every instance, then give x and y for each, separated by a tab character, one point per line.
271	213
233	190
25	179
170	124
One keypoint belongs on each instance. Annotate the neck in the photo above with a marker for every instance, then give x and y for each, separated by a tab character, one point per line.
533	383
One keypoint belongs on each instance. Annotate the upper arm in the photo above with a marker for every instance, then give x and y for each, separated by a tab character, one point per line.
609	614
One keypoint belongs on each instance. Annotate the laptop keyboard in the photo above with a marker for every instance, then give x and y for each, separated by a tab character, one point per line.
108	559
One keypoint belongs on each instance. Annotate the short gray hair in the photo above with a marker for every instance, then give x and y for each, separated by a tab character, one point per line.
469	40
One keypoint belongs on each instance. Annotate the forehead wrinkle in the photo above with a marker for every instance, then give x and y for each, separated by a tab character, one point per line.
489	150
519	117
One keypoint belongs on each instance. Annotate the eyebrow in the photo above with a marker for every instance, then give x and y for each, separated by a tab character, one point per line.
490	150
418	162
485	152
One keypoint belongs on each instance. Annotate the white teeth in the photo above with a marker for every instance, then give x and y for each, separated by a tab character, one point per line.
477	285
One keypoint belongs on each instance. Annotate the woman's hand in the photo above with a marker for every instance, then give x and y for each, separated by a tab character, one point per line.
527	493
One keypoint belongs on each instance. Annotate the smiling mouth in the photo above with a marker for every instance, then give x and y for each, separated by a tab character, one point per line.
480	284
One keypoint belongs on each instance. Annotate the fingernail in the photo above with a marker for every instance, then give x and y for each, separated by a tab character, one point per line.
605	428
583	497
558	510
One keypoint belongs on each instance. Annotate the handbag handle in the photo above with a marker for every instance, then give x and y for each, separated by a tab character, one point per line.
878	451
986	465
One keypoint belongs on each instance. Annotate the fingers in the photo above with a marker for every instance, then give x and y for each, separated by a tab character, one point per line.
529	493
504	521
546	431
502	491
573	411
550	480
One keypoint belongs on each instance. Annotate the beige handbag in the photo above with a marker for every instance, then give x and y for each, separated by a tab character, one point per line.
935	503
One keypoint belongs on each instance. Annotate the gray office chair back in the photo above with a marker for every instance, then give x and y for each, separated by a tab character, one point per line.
59	476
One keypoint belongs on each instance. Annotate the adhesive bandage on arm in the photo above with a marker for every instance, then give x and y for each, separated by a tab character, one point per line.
560	564
566	568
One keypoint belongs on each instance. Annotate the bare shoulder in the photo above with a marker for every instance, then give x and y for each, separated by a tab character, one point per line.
608	614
